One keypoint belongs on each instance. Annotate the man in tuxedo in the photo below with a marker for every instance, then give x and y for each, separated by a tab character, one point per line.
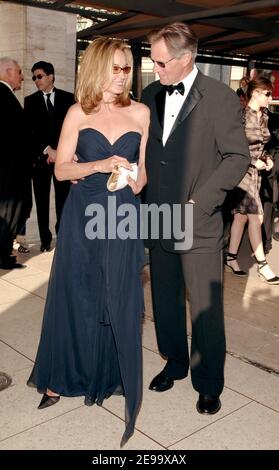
45	112
196	152
13	162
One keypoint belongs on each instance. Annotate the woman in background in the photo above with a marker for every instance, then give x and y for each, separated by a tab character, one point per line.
249	209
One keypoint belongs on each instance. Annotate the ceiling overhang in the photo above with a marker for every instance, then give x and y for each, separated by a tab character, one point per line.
228	29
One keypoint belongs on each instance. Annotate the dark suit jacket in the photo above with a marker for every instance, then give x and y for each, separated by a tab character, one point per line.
205	156
12	135
43	132
13	159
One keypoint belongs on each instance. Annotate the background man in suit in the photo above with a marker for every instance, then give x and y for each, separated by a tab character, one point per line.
12	159
196	152
45	112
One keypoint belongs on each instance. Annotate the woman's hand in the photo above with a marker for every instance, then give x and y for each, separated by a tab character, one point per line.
136	187
269	164
110	165
75	160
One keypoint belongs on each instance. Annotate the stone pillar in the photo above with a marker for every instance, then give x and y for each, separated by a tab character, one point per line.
31	34
219	72
12	34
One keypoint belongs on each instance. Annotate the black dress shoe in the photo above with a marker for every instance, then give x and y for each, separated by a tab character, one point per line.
47	401
45	247
11	265
208	404
161	383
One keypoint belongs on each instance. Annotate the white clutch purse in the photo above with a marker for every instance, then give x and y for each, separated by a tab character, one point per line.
119	181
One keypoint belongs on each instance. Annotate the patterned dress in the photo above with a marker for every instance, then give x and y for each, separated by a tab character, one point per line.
258	135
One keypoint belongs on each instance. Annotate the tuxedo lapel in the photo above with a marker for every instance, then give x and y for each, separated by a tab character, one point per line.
160	106
193	97
56	98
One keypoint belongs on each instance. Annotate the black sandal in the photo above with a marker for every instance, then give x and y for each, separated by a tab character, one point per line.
236	272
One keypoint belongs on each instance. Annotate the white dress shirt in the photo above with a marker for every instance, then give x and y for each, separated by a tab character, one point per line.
174	103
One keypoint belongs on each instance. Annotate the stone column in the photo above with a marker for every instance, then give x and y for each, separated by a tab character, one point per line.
31	34
219	72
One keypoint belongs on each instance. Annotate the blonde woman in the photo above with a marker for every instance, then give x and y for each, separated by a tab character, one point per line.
91	337
249	209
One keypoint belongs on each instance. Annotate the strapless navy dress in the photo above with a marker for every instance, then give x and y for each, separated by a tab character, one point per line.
90	342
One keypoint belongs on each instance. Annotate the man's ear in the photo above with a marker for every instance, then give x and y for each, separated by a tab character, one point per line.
188	58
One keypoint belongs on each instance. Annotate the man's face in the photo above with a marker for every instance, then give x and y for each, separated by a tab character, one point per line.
170	68
15	76
43	81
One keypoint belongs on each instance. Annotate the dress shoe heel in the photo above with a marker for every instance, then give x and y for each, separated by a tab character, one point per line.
272	281
161	383
47	401
45	247
237	272
208	404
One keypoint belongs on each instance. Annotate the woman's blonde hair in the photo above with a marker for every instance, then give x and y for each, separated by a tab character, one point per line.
96	69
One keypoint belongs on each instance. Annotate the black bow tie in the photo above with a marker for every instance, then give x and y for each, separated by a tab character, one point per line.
179	87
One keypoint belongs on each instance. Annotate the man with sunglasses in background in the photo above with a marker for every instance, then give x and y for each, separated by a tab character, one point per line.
45	112
195	153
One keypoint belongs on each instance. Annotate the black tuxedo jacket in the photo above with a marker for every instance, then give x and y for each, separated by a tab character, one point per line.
205	156
44	131
12	145
14	167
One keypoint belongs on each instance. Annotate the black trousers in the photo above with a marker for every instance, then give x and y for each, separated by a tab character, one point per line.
42	175
202	275
10	207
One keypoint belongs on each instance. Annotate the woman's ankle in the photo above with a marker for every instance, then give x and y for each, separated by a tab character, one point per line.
50	393
265	270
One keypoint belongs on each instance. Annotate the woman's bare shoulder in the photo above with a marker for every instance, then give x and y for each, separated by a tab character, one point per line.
76	114
141	109
76	110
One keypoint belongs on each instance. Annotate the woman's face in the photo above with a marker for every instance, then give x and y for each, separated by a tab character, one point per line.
263	97
119	74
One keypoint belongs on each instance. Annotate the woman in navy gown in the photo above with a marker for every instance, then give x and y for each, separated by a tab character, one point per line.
90	342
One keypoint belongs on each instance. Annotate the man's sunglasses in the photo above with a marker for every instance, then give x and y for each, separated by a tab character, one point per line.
38	77
117	69
161	64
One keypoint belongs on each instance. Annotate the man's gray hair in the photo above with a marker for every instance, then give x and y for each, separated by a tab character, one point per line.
6	63
179	38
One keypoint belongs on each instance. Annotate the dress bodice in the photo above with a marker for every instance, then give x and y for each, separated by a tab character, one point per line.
93	145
